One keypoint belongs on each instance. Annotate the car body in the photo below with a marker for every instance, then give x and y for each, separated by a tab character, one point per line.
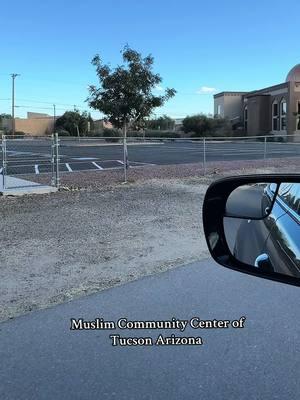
273	241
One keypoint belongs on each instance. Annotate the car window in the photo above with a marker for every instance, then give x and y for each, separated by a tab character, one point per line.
289	193
272	187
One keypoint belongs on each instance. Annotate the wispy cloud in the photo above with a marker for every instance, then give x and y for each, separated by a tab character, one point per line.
206	90
159	88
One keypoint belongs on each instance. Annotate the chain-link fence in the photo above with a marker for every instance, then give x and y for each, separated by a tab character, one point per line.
30	158
23	159
170	151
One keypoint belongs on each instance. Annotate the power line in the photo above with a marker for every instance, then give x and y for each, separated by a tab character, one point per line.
40	108
47	102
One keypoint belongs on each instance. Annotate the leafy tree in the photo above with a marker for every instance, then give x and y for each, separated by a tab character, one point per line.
5	116
199	124
74	122
162	123
125	95
203	125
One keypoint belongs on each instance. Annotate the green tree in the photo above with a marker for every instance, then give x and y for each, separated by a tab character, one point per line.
4	116
161	123
124	94
75	122
205	125
200	125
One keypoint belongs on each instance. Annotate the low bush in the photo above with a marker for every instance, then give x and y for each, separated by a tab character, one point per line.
95	134
162	134
63	132
17	135
111	135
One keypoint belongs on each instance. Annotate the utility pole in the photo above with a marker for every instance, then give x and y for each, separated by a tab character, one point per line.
13	103
54	117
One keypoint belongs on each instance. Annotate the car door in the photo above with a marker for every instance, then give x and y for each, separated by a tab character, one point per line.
283	243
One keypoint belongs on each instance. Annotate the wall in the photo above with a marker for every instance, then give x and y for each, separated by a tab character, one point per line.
259	118
31	126
230	104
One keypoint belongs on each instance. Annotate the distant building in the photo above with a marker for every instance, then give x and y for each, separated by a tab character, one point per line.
100	124
36	124
273	110
178	124
39	124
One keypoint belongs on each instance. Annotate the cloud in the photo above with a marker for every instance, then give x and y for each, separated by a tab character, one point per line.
206	90
159	88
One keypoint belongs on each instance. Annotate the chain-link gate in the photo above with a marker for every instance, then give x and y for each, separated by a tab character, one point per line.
29	160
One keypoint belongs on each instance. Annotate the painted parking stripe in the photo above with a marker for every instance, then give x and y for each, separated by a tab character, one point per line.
36	167
69	168
84	158
96	165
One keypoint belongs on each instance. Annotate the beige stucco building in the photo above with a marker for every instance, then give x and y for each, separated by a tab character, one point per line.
36	124
274	110
39	124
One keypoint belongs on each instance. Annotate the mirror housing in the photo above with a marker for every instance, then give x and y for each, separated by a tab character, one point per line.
215	208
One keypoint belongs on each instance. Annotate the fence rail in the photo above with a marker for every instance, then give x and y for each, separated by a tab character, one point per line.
53	155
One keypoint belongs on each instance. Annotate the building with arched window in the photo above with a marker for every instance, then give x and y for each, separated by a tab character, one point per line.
273	110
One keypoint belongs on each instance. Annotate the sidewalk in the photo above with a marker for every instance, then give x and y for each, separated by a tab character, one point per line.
19	187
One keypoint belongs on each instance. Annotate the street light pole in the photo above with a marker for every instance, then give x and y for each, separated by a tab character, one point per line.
13	103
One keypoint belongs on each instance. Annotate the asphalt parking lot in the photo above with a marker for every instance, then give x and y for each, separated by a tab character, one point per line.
34	156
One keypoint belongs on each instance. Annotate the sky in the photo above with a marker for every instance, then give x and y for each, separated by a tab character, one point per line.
199	48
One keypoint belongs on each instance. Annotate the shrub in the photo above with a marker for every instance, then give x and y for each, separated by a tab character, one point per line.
111	135
96	133
63	132
200	125
204	126
17	135
162	134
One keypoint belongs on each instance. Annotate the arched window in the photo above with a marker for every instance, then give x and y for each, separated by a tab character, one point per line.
275	126
298	116
246	118
283	115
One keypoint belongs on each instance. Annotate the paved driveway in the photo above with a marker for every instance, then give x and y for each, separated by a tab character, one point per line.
34	157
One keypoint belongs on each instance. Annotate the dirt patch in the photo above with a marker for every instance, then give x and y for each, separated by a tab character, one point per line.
60	246
98	233
109	178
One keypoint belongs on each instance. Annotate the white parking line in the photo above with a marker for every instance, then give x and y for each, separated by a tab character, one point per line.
69	168
96	165
36	167
84	158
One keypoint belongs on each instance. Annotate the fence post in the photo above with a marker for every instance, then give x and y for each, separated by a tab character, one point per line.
3	161
125	152
56	161
265	148
52	160
204	156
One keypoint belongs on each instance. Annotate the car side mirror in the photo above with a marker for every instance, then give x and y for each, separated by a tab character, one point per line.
252	225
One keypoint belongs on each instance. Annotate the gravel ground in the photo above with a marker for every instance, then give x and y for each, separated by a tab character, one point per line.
108	178
99	233
60	246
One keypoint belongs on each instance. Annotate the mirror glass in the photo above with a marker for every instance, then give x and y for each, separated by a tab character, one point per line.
262	226
251	201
